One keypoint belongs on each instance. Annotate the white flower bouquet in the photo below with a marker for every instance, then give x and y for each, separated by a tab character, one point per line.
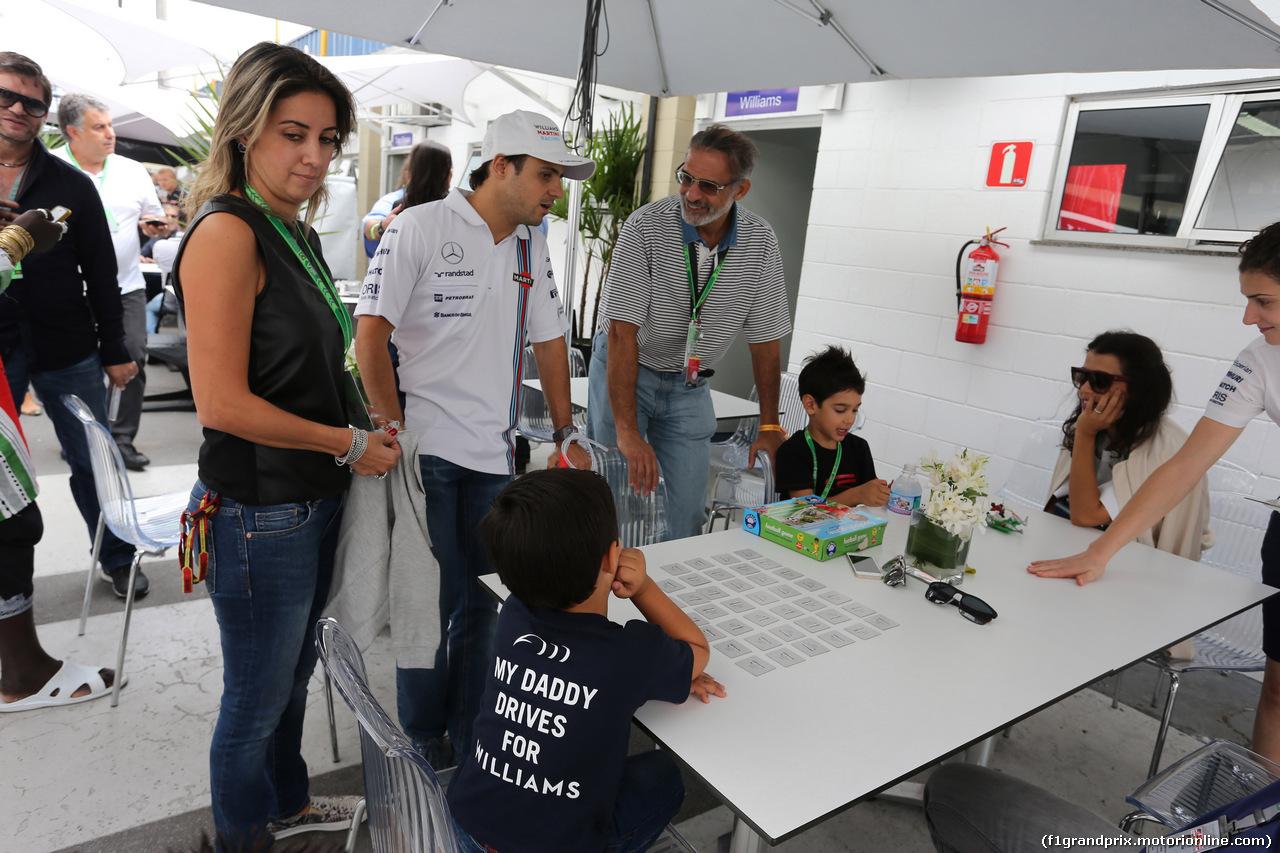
958	500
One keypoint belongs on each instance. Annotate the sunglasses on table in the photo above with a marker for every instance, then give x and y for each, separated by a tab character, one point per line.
33	107
708	187
971	607
1098	380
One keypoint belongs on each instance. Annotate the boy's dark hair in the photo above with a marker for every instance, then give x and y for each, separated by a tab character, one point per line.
830	372
547	533
1262	253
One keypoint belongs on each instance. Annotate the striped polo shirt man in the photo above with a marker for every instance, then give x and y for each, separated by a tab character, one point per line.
693	260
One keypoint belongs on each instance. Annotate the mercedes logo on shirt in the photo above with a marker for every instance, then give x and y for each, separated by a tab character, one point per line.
451	252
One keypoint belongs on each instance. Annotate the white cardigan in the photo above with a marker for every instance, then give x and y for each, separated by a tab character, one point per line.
1185	529
384	548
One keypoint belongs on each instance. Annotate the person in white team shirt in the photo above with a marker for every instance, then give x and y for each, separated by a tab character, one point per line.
129	199
1250	388
460	286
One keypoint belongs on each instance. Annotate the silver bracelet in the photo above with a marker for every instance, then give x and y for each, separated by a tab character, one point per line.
359	443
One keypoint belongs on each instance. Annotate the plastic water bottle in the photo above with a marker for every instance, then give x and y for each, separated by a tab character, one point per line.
904	494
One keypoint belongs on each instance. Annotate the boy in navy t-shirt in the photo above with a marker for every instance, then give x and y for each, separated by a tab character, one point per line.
827	459
548	768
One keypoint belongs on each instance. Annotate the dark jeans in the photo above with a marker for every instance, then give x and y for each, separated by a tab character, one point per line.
447	696
19	535
269	574
125	427
1271	577
87	381
648	798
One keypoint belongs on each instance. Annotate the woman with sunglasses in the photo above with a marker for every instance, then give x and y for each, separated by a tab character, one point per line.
1250	388
1117	437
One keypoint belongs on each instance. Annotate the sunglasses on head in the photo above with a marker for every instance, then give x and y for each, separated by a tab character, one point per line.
708	187
33	107
971	607
1098	380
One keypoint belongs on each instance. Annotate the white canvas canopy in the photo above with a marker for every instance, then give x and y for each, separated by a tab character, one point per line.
674	47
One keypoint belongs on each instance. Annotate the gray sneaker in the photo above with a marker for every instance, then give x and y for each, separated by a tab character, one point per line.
327	814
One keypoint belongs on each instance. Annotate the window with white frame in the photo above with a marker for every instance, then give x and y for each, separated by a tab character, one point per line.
1177	170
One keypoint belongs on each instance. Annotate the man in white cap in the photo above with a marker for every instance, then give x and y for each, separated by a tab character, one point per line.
461	286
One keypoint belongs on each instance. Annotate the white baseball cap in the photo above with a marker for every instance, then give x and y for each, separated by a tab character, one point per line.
524	132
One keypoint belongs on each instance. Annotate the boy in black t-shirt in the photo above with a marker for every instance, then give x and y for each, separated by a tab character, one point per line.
548	769
827	458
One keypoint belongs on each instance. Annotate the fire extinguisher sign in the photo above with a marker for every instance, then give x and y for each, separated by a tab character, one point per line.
1010	162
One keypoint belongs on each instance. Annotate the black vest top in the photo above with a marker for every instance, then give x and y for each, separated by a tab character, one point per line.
295	363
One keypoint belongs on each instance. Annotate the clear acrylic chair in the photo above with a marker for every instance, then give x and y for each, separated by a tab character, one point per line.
1235	645
151	524
792	416
1032	473
1214	776
732	453
404	799
642	519
738	489
534	421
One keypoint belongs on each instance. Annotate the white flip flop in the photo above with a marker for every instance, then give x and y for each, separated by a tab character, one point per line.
58	690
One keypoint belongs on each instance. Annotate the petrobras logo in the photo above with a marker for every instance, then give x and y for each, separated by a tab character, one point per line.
554	293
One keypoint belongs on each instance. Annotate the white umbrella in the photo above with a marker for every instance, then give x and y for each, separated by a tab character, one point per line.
380	79
145	49
672	47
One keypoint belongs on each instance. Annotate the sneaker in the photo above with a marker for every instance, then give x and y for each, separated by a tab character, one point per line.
327	814
133	459
438	752
120	582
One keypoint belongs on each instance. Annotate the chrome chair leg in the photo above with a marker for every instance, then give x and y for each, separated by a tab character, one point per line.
124	633
1164	724
1115	691
333	724
93	566
357	816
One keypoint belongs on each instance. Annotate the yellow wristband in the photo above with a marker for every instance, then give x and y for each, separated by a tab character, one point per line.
773	428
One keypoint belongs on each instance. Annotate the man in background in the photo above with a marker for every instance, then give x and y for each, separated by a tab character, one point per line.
129	199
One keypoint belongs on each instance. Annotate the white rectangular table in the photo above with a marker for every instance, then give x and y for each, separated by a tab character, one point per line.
790	748
726	406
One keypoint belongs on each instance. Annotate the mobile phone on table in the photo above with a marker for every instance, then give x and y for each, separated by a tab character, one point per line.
864	567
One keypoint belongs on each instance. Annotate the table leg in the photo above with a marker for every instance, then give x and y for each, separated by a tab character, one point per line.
980	752
745	840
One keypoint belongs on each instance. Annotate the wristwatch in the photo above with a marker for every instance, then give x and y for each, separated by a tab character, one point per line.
563	433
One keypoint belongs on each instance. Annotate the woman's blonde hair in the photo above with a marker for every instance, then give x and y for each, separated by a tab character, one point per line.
263	76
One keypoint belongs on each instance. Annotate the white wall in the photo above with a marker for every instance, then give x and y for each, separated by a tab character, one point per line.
899	187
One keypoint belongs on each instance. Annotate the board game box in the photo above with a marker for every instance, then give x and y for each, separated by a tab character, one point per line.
815	528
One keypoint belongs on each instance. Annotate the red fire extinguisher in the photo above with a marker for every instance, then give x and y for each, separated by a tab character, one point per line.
976	287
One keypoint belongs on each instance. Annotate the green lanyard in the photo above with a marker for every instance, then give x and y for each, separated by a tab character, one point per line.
102	177
313	268
834	468
696	299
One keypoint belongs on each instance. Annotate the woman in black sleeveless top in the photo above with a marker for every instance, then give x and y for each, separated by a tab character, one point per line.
266	340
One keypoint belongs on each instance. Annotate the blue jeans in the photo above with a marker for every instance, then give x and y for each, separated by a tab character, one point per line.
447	696
676	420
87	381
268	577
649	796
